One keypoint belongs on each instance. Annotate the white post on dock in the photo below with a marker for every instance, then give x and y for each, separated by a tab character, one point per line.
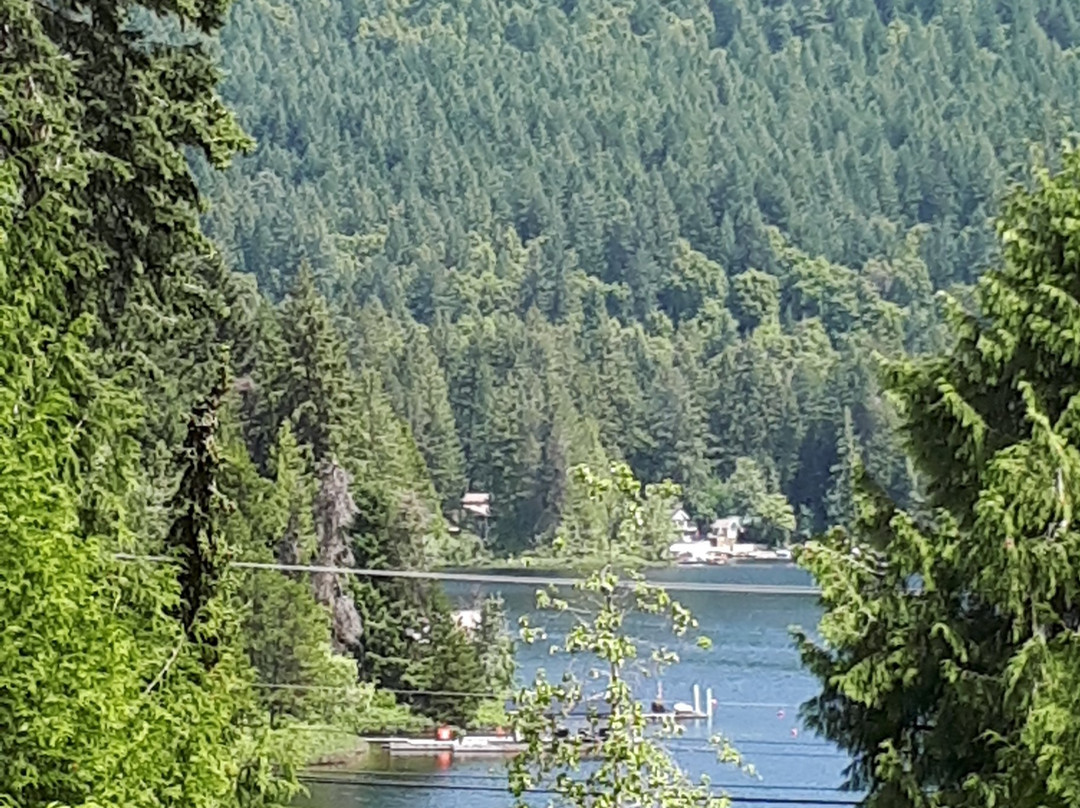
708	704
697	699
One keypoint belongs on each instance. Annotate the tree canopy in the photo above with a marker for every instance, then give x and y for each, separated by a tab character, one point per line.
133	423
949	652
681	227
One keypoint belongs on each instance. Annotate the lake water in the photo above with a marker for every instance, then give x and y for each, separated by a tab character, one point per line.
752	668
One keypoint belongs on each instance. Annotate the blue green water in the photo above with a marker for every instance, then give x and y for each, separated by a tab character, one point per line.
752	668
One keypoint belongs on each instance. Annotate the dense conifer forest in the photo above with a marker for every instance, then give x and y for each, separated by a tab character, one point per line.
673	233
281	281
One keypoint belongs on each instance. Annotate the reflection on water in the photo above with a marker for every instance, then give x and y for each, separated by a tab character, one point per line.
753	670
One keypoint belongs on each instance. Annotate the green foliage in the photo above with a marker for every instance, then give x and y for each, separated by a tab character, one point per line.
685	226
948	648
495	645
115	691
145	686
840	499
490	714
483	288
411	641
105	690
616	760
756	299
605	522
682	227
350	486
768	514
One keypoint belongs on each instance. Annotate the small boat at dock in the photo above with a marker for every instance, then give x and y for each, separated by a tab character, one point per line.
469	745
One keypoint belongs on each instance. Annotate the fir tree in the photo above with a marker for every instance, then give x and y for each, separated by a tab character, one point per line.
949	668
840	498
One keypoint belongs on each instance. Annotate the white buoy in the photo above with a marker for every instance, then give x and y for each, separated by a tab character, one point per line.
697	699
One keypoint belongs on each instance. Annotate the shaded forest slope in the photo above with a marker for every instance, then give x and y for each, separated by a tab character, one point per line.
574	231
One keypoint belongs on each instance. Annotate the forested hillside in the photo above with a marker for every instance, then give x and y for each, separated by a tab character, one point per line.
472	246
160	419
560	231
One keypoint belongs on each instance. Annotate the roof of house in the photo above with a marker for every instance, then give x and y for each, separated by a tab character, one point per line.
680	516
476	498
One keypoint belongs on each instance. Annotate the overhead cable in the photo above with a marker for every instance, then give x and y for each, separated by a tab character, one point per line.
493	578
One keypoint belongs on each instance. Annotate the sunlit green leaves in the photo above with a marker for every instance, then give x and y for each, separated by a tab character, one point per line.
616	759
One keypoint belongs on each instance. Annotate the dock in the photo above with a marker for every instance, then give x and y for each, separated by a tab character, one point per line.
469	746
489	745
495	744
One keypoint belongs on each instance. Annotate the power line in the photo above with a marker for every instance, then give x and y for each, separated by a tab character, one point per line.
488	694
493	578
378	783
424	778
339	688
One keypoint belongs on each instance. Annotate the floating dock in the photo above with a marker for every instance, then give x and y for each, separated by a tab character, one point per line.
469	746
484	745
492	744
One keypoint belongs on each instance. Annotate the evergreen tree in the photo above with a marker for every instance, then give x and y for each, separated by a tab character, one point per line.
411	643
108	697
840	499
966	614
310	385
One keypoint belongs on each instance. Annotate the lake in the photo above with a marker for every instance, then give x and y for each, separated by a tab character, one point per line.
754	672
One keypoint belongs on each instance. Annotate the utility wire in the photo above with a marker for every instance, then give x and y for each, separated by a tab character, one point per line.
398	690
378	783
424	778
492	578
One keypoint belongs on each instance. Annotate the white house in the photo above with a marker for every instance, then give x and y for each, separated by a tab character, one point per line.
478	504
475	507
684	524
726	532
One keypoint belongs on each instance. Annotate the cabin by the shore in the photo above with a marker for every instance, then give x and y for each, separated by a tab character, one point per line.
684	526
473	513
727	539
725	533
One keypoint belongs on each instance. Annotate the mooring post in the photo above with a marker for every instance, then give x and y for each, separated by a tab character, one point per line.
708	703
697	699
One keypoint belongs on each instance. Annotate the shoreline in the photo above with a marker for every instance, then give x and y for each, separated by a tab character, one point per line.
555	564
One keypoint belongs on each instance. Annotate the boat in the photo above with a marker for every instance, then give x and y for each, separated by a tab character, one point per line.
467	746
681	712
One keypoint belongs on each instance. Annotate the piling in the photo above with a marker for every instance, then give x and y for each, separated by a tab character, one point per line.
697	699
708	703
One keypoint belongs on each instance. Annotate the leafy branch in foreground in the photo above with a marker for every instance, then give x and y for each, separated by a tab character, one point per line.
614	760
